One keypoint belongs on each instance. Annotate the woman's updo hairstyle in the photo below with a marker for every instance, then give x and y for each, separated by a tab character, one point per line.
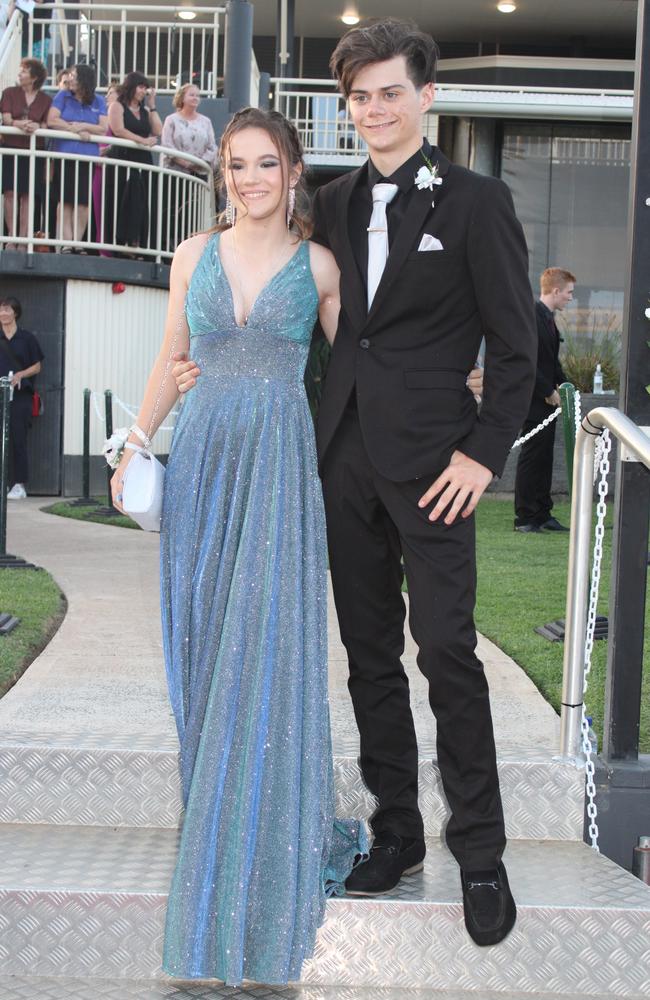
284	136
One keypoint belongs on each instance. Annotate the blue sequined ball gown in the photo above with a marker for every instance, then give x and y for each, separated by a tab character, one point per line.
244	605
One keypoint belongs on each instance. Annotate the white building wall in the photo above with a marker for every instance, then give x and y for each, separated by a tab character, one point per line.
111	343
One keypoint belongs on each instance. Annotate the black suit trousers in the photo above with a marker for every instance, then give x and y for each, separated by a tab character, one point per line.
374	523
534	476
20	421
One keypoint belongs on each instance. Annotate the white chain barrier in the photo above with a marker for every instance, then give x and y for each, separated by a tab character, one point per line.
604	449
130	410
540	427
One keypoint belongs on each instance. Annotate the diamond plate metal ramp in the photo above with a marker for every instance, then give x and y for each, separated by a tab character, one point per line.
32	988
90	902
90	780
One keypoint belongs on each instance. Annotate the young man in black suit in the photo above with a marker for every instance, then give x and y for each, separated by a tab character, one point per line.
405	457
533	502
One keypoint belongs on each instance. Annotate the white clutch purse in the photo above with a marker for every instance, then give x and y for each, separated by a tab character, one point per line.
142	490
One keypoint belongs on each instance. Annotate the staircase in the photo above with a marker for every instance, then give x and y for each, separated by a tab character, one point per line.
88	838
88	832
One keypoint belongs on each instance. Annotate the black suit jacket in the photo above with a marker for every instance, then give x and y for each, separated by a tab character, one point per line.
549	370
409	357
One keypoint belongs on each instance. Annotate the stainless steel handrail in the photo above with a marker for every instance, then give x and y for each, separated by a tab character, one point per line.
636	441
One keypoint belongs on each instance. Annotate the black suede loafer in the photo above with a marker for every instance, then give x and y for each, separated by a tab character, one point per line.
553	525
490	910
391	857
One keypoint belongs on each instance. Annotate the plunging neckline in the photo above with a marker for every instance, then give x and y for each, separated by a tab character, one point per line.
262	290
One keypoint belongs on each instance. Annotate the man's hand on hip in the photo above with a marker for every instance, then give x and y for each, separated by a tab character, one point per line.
185	372
463	481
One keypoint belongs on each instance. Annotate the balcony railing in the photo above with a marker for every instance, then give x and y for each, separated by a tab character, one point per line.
10	51
174	204
325	127
115	40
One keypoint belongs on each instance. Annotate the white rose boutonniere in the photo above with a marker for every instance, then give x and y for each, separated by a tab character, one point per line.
427	177
114	446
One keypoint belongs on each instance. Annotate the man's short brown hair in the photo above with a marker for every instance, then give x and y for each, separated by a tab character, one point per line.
378	41
555	277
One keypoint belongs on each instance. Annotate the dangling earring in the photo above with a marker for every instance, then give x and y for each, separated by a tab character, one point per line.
231	212
291	204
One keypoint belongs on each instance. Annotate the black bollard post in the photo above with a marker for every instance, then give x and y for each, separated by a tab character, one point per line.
5	405
85	500
109	509
6	561
108	407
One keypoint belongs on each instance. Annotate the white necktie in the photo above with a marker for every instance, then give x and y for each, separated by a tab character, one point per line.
382	194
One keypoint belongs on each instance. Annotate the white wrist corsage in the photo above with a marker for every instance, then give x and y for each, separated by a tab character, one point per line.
114	447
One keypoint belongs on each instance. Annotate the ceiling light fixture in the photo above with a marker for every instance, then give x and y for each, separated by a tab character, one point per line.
506	6
187	15
350	17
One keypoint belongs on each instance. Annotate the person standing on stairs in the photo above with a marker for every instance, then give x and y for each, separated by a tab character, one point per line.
244	577
432	259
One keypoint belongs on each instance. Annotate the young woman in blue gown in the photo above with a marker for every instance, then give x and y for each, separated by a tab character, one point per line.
243	579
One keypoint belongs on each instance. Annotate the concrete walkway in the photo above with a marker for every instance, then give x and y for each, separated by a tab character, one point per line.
103	671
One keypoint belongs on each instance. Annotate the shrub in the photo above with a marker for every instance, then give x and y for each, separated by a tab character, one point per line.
601	344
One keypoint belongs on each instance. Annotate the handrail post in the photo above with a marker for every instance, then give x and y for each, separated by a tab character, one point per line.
577	592
159	180
123	45
215	57
636	441
31	193
568	403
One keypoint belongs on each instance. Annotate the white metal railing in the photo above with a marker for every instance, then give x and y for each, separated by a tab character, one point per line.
115	40
254	94
10	51
174	204
568	103
322	118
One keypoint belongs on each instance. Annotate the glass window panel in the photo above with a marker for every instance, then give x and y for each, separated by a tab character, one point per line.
570	187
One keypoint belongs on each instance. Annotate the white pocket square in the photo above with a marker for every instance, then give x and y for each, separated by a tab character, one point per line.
430	243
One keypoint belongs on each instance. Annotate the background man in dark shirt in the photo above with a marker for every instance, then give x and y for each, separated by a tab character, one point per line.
533	503
20	353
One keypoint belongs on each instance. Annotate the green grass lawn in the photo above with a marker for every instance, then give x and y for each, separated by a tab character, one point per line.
522	584
64	508
33	597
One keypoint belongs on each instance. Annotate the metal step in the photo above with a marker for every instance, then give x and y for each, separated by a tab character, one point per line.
102	780
90	902
36	988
